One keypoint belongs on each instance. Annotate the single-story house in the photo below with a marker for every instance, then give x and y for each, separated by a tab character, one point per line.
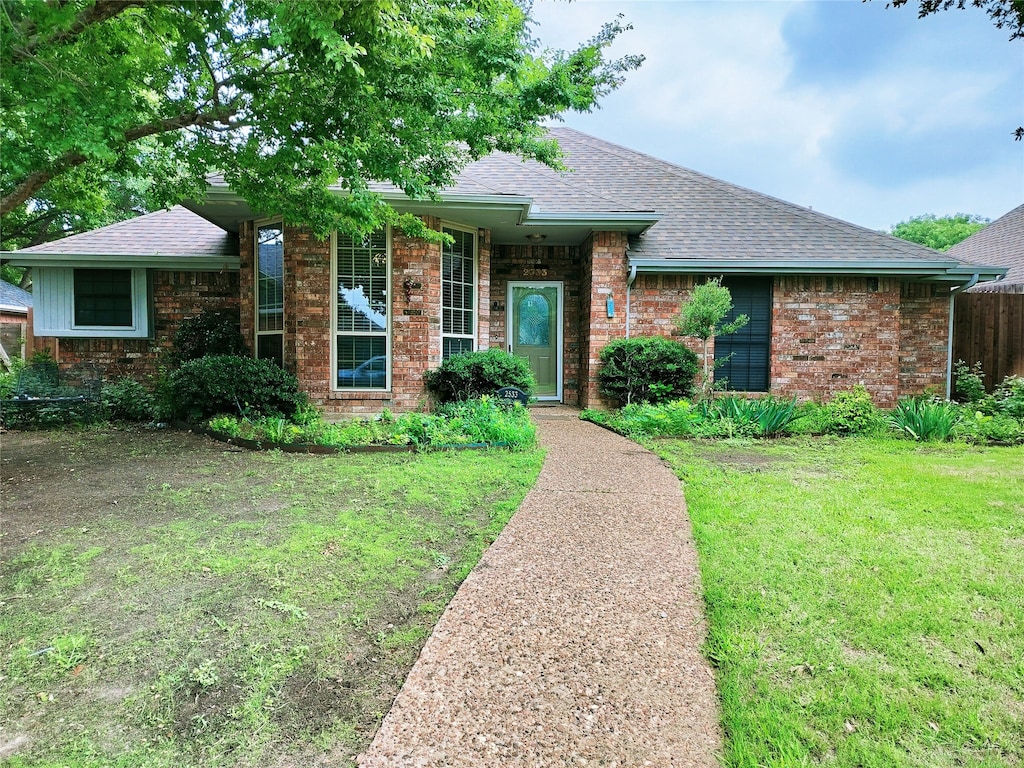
1000	244
548	265
15	307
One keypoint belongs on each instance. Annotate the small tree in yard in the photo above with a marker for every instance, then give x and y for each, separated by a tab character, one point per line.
701	318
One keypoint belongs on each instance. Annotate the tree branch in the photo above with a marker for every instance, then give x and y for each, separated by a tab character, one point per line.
35	181
94	14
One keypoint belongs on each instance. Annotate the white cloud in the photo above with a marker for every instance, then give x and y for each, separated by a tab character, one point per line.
869	122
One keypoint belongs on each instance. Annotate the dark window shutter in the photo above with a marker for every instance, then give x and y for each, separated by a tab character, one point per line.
748	350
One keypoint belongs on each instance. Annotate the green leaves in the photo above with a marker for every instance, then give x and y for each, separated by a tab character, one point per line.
940	233
286	100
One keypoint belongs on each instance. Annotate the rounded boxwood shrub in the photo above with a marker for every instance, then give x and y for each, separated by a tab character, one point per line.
852	413
211	332
229	384
469	375
647	369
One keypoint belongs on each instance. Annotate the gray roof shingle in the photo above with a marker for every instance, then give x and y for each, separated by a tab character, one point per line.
175	232
701	217
13	298
1001	243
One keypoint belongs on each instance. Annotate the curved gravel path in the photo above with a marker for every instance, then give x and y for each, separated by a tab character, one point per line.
575	641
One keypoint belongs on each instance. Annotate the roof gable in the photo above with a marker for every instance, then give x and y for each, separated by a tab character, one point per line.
1000	243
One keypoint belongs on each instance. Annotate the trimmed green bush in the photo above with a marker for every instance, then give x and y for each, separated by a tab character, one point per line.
228	384
211	332
127	400
851	413
647	369
471	375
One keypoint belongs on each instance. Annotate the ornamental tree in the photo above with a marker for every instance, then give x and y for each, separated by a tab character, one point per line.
284	99
701	317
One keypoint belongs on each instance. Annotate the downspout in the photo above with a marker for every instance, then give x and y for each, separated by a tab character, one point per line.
629	284
949	343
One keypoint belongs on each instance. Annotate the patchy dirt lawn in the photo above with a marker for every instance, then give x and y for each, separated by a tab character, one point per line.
166	600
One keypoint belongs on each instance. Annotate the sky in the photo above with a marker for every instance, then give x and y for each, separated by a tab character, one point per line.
860	111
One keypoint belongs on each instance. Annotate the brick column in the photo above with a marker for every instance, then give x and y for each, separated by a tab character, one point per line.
604	272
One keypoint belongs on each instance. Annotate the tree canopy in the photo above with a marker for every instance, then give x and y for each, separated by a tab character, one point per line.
1004	13
938	232
284	99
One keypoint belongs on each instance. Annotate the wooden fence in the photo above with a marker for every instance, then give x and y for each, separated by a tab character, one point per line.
989	328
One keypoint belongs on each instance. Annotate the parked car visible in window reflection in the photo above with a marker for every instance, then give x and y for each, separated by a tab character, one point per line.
372	373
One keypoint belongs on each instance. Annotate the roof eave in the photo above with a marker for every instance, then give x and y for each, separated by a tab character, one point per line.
944	270
180	263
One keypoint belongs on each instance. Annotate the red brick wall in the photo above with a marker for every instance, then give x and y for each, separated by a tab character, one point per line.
415	317
541	262
604	271
924	338
830	333
176	295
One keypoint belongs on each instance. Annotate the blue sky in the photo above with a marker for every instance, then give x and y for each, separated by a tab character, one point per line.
860	111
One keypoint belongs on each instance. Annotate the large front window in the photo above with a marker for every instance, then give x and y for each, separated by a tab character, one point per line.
270	292
362	268
458	292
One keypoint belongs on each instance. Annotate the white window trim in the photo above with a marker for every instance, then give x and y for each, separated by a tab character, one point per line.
475	324
335	333
54	311
256	284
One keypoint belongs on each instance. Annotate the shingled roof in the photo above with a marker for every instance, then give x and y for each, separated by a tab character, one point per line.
1000	243
14	299
176	234
701	218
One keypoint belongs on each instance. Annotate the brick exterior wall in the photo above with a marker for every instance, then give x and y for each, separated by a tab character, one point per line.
924	340
605	273
830	333
415	293
176	295
517	263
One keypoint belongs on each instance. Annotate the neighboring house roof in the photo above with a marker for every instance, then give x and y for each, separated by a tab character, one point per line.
1000	243
14	299
174	237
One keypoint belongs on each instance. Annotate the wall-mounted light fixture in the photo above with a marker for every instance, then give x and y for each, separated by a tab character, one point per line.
536	237
609	305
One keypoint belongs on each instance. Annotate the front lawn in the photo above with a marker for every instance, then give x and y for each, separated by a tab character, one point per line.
865	599
170	601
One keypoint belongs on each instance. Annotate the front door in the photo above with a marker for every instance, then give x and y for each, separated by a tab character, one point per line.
535	333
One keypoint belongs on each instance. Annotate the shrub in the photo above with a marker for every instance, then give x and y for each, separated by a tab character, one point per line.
211	332
851	413
1008	398
984	429
229	384
127	400
925	419
471	375
647	369
970	382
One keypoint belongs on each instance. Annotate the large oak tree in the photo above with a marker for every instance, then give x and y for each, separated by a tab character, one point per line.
285	99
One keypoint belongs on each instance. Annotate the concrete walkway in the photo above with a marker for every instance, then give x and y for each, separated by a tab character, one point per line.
575	641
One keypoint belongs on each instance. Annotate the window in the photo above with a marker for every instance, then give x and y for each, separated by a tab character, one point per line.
362	269
103	298
91	302
270	292
458	293
746	352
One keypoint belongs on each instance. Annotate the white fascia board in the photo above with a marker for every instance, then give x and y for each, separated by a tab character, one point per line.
793	266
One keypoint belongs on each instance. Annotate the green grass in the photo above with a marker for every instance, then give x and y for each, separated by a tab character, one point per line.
259	609
865	599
